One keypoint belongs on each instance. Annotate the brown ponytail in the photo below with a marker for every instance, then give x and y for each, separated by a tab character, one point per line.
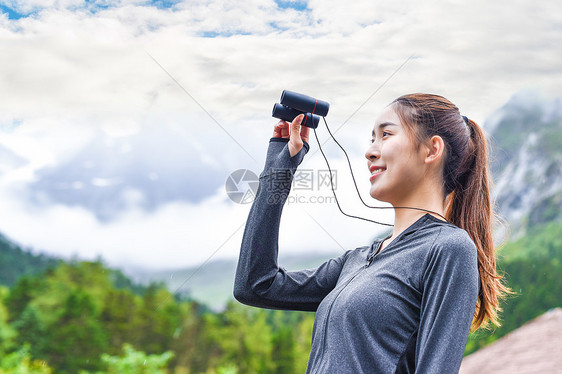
466	184
469	206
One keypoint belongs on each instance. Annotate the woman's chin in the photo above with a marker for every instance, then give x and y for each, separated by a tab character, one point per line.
377	194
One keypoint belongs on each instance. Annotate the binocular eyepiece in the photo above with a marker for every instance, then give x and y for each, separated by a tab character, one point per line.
293	103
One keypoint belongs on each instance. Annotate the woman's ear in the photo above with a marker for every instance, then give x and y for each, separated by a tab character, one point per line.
435	149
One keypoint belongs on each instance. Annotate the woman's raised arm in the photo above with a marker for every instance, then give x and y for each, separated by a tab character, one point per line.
259	280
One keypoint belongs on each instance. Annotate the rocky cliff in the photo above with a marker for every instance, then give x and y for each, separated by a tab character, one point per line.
526	140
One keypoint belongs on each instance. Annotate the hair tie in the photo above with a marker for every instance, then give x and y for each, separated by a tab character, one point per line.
465	120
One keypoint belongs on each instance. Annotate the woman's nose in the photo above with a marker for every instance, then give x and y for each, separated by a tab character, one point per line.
372	152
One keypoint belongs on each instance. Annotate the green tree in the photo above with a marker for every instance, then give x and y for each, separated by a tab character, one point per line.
135	362
118	318
91	278
244	338
283	353
77	337
303	341
158	320
191	344
22	293
16	262
20	362
32	331
532	266
7	333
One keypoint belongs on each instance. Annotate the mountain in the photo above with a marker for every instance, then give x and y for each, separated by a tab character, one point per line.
16	262
526	142
212	283
209	283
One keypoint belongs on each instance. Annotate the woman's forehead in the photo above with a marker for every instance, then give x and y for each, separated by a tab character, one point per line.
389	116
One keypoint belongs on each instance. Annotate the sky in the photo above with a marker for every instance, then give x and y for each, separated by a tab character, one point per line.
121	121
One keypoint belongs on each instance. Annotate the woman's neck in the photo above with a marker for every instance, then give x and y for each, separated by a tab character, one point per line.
425	199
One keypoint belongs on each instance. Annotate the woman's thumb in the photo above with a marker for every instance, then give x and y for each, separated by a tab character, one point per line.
295	141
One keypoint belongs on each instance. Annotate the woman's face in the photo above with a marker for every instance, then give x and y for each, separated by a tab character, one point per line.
394	159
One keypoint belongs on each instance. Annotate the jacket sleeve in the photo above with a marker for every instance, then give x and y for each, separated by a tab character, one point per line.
450	290
259	280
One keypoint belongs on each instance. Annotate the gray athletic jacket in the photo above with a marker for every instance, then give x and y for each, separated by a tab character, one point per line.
406	309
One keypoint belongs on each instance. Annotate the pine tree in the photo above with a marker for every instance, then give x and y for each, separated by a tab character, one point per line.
77	337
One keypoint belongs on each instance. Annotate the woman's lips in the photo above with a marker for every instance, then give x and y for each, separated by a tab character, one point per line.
376	174
375	171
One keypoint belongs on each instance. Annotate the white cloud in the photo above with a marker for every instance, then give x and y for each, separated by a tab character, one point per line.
69	70
180	234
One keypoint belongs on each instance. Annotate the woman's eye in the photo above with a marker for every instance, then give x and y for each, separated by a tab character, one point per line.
384	133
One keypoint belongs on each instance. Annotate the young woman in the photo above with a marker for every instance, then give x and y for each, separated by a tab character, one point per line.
406	303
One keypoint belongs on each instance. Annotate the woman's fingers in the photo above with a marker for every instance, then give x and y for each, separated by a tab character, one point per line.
305	133
280	130
294	132
285	130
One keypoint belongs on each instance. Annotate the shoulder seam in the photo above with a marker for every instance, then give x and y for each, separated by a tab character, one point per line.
430	250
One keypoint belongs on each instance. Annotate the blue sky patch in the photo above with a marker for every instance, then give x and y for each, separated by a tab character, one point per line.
93	6
12	14
164	4
9	126
225	34
278	26
296	5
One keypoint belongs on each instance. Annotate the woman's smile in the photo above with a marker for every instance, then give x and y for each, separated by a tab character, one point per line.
375	171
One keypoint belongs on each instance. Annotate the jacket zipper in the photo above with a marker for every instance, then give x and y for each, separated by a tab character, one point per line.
369	261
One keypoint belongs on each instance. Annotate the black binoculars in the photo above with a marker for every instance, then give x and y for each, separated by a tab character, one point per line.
293	103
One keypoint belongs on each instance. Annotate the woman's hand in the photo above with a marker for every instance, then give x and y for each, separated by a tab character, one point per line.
294	132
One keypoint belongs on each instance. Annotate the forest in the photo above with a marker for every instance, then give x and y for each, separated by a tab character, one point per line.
82	317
